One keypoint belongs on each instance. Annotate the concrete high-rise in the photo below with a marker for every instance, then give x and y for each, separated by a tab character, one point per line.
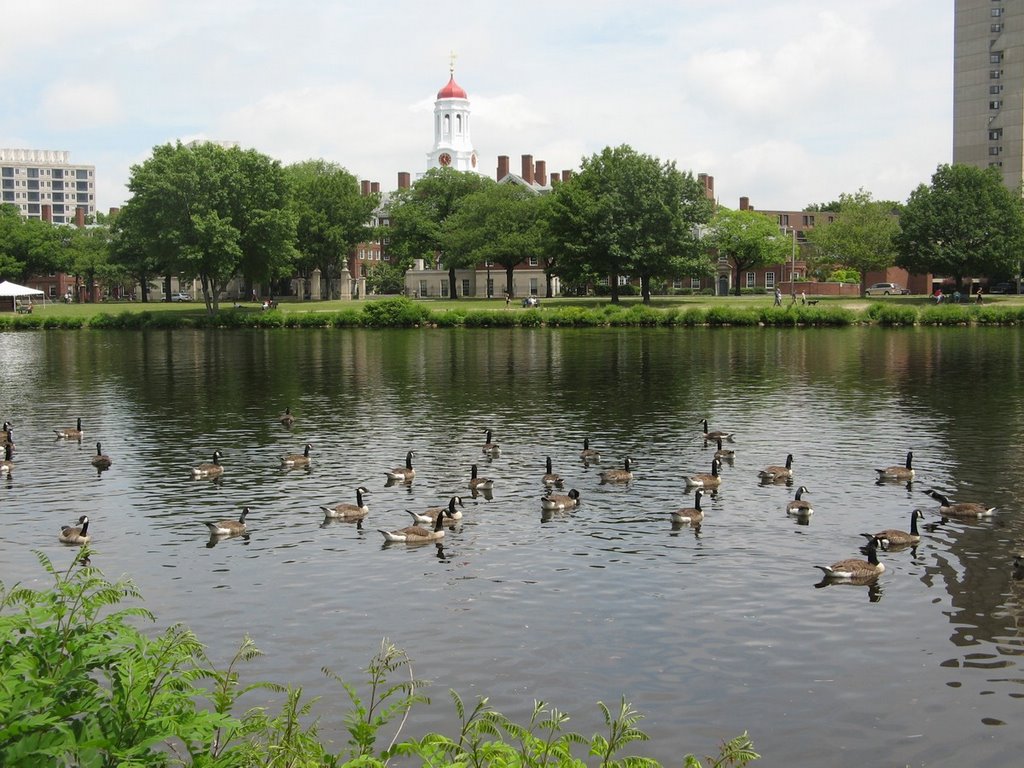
988	86
45	184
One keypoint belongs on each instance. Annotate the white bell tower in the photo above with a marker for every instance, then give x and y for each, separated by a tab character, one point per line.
453	147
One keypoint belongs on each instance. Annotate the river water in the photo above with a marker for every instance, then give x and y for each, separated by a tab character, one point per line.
709	632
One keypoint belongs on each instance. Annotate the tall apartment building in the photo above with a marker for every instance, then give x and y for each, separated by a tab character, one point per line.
45	184
988	86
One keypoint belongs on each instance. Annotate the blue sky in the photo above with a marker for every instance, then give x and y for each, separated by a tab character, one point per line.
787	102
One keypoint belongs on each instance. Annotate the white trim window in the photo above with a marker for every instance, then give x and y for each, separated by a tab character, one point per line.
695	283
751	276
769	279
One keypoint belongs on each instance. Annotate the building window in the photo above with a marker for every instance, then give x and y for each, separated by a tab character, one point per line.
995	134
997	12
750	279
8	197
994	150
533	286
465	287
783	219
996	57
33	197
423	287
33	173
995	90
7	172
533	261
997	164
58	173
769	279
695	283
995	74
33	207
995	104
444	288
623	280
81	173
677	283
808	219
53	291
997	28
488	263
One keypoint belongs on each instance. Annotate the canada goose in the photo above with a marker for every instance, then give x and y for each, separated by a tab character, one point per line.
800	507
712	436
229	527
297	459
892	537
8	438
214	469
558	501
588	454
71	433
77	535
403	474
286	418
854	569
101	460
692	514
6	466
725	454
415	534
897	472
961	509
701	480
479	483
355	511
1018	567
775	472
451	514
623	475
491	449
550	479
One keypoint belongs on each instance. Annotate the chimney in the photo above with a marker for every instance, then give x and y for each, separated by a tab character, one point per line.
709	185
47	213
114	212
528	169
79	217
566	175
403	180
364	187
745	204
554	178
502	167
542	173
374	187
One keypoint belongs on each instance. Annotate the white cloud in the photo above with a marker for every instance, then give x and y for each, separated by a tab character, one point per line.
83	105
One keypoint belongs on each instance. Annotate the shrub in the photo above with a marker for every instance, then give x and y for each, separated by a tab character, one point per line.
727	315
396	312
347	318
885	313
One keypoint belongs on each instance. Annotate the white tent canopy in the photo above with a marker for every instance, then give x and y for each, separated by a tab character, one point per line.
7	288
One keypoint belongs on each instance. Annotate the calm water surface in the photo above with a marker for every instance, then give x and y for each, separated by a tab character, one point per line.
709	632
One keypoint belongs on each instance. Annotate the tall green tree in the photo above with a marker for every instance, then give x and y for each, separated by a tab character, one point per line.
332	216
966	222
499	223
862	236
87	254
418	214
750	239
131	252
212	213
27	246
628	214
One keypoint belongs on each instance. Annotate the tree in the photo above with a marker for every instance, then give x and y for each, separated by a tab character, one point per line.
499	223
417	216
212	213
627	213
861	237
27	246
750	239
332	216
385	277
87	254
965	223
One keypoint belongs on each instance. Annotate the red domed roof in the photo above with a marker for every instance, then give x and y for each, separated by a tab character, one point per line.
452	91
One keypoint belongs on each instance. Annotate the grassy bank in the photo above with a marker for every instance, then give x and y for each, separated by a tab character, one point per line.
396	312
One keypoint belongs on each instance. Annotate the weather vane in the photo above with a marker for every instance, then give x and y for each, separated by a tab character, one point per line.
451	63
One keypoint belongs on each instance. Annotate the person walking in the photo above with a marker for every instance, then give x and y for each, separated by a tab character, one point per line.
977	296
778	297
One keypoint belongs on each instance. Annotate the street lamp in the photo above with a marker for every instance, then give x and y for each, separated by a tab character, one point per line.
792	268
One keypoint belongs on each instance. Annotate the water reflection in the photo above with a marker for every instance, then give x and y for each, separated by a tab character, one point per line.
556	605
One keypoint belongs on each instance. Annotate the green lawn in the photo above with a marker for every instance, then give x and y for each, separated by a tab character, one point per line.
659	302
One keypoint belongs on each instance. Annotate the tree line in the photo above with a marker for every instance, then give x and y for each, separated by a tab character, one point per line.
213	214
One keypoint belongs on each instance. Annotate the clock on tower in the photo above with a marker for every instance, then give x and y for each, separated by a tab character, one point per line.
444	159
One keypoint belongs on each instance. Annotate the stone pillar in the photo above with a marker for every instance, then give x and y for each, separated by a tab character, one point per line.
346	284
314	285
361	288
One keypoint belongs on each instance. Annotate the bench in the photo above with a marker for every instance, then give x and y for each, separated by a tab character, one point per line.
24	309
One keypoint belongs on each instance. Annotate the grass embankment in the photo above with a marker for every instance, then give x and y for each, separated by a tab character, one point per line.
398	312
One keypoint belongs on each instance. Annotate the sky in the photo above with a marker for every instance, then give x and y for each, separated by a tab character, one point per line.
786	102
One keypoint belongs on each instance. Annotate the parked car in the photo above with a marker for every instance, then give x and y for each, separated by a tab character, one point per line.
884	289
181	296
1003	288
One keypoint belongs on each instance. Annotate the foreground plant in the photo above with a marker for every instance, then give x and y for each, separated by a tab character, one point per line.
80	685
